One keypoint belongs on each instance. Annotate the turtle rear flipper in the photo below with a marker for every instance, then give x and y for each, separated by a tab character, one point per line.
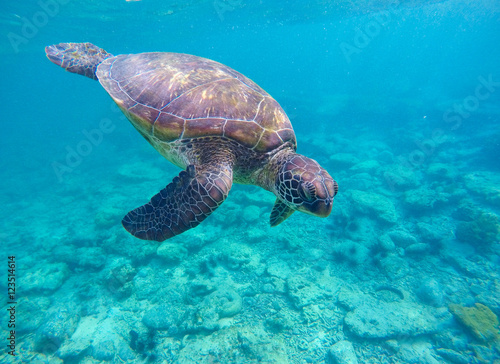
182	205
81	58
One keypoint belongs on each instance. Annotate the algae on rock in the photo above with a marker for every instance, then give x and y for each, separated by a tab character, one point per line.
483	230
480	320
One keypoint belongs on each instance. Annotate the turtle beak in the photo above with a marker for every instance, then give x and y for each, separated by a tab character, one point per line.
322	205
319	208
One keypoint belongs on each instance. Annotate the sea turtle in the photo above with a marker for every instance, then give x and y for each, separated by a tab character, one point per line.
211	121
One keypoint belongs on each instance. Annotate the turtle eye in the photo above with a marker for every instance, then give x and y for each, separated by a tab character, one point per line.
307	191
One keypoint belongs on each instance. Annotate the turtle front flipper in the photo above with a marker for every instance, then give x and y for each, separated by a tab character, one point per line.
81	58
182	205
280	213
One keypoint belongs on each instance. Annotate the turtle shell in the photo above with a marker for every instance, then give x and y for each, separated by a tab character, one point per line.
173	96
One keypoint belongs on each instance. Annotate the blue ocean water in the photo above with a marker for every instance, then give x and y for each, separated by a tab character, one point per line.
399	101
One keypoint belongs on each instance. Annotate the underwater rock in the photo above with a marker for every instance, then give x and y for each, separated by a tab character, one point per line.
144	284
34	308
351	252
392	344
378	205
236	255
423	198
279	285
292	242
81	339
161	317
172	252
386	243
201	287
104	350
466	211
119	280
442	172
385	157
482	231
91	257
465	266
342	352
37	358
479	320
402	238
351	298
202	318
248	291
360	181
485	185
399	176
258	233
251	213
417	249
485	354
302	291
108	217
228	302
395	267
136	249
372	316
343	160
383	320
313	254
47	278
374	145
220	304
279	268
194	243
489	294
362	230
66	253
454	357
452	338
279	323
57	328
389	293
430	292
247	344
109	344
227	215
432	233
142	342
368	166
268	288
417	352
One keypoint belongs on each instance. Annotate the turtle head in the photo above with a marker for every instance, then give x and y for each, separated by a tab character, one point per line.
303	185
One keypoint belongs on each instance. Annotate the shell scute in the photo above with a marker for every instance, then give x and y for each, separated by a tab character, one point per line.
168	127
196	128
173	96
268	138
245	132
224	98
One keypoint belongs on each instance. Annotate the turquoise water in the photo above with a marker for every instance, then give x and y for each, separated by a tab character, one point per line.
399	101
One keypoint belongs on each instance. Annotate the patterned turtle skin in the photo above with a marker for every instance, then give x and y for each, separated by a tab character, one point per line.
213	122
